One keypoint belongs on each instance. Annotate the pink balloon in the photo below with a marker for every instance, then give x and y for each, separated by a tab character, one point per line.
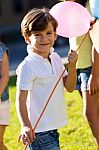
73	19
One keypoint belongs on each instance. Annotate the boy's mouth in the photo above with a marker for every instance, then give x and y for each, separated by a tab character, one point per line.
44	43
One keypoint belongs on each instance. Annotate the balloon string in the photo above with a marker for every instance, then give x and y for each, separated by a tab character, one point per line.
92	23
82	41
49	98
91	26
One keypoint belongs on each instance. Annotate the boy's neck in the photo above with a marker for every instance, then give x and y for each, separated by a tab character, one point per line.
44	55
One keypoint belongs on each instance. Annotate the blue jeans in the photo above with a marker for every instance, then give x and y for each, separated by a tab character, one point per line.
48	140
82	78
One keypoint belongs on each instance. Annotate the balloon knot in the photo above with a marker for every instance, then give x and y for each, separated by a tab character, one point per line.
92	23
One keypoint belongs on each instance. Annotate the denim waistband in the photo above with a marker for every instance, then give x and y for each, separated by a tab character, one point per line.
45	132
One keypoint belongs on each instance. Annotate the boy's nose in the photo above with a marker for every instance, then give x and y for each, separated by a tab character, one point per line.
43	37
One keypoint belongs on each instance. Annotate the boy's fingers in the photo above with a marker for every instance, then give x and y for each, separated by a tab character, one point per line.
24	139
28	138
19	138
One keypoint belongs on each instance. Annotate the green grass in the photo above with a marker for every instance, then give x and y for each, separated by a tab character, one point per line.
75	136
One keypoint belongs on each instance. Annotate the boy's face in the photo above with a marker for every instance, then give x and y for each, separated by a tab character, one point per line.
42	41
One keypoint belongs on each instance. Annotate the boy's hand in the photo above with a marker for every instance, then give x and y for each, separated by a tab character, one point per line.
27	135
72	58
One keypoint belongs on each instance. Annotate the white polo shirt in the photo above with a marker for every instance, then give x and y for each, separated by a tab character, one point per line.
38	76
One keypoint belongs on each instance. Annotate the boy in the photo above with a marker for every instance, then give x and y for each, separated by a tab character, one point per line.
37	75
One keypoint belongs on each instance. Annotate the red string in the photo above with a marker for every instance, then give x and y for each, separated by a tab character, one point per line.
46	104
82	41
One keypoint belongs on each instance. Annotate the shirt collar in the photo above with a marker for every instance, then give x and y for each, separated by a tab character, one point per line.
31	53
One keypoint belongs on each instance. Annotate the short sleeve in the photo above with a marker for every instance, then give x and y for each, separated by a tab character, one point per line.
24	77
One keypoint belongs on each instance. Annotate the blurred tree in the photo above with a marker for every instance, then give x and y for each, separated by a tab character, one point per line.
42	3
18	7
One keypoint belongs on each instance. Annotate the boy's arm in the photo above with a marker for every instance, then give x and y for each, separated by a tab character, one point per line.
26	131
70	80
4	73
22	108
94	77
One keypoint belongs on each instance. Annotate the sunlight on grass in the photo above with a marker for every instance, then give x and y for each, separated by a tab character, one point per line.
76	135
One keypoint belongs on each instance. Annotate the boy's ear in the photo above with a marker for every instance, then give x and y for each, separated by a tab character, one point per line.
27	40
55	36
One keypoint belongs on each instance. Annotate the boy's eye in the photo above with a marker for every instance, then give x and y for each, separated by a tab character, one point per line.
49	32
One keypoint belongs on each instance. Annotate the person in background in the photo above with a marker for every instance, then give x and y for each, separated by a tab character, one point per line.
88	77
36	76
4	94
